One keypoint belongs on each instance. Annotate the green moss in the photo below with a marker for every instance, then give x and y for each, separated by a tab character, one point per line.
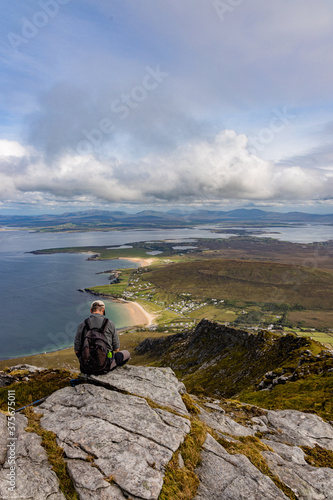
54	452
251	447
312	394
181	483
19	373
40	385
318	456
190	404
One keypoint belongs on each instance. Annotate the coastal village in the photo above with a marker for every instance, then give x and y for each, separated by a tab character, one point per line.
177	312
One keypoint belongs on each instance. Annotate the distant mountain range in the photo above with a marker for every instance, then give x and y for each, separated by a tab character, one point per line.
100	219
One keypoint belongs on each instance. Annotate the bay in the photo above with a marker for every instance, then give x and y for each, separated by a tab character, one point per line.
40	302
308	233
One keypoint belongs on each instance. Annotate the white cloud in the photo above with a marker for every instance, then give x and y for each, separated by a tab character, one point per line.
11	148
204	171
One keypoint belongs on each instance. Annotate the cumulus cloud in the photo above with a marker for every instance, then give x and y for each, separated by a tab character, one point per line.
168	142
213	171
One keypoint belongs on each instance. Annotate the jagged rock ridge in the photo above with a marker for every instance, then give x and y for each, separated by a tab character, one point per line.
223	361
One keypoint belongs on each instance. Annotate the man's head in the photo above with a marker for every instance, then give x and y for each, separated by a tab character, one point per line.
98	307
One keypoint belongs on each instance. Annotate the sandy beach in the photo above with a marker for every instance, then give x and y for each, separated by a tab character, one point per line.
138	314
142	262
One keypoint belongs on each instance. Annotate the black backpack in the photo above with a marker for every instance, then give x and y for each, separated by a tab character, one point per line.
94	354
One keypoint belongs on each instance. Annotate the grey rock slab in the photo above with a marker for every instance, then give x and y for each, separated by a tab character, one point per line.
214	406
34	478
130	413
90	483
224	424
29	368
159	384
260	424
6	379
293	454
232	477
127	439
74	451
3	438
299	429
307	482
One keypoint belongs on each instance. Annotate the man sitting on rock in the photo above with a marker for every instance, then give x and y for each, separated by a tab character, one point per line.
97	343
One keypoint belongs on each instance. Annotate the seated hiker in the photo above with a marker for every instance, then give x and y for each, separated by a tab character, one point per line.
97	343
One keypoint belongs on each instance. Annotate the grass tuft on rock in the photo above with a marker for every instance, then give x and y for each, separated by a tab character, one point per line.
191	407
38	386
318	456
251	447
54	452
182	482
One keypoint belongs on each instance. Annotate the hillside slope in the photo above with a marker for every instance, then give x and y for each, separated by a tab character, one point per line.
222	361
248	281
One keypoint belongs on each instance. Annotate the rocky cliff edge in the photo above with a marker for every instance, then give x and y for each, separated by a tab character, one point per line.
120	434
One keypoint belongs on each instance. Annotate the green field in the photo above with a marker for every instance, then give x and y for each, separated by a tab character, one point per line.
248	281
214	313
115	289
322	337
255	294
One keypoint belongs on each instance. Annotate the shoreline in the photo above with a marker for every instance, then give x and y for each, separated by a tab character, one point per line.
139	314
136	311
144	262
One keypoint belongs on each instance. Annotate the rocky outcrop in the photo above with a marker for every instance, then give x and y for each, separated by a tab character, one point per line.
295	428
289	465
232	477
33	478
224	361
117	436
17	373
160	385
308	364
122	435
119	433
220	422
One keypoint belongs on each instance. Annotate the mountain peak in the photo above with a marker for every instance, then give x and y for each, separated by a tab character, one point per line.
136	432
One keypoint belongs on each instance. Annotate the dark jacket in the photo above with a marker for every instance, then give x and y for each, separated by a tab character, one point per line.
96	321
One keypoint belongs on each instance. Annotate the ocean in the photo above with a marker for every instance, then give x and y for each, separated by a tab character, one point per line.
40	302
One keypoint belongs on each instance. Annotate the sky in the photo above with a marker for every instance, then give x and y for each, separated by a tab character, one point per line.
164	104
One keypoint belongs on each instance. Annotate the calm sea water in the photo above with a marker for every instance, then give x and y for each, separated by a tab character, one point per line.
308	233
40	302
